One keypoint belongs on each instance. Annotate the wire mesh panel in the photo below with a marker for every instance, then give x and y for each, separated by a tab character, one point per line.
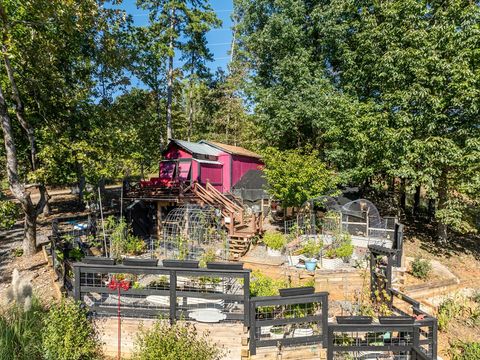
288	321
192	231
349	341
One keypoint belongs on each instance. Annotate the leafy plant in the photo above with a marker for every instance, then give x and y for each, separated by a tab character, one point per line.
421	268
180	341
330	253
21	332
294	176
9	213
463	350
69	335
274	240
311	248
207	257
75	254
262	285
122	241
344	251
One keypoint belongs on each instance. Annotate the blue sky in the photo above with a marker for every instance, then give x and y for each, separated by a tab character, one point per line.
219	40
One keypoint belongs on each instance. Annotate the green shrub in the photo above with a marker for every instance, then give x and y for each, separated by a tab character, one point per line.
448	310
465	350
9	212
344	251
330	253
274	240
262	285
123	242
311	248
421	268
21	332
69	335
180	341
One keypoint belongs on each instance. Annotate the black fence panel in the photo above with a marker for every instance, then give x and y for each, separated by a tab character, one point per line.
207	295
290	320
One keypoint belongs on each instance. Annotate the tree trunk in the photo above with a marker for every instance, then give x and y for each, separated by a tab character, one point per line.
416	200
442	229
30	243
17	188
170	76
403	195
80	182
190	113
431	208
46	209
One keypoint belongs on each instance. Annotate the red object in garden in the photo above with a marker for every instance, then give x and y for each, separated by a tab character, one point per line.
119	285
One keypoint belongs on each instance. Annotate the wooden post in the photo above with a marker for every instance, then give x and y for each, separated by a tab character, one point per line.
159	220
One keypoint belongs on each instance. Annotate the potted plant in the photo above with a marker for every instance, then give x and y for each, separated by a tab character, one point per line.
275	243
330	260
339	252
311	250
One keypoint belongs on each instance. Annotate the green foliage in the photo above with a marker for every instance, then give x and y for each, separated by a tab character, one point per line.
382	89
295	176
75	254
180	341
69	335
122	241
21	332
9	213
207	257
341	246
262	285
274	240
421	268
312	248
447	311
464	350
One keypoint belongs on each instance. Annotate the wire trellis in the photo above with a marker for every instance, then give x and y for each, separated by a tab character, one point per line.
193	232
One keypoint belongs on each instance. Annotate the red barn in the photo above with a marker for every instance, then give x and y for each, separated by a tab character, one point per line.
220	164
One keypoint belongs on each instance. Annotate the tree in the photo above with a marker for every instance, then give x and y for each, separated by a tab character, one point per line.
49	52
416	62
174	21
295	176
384	90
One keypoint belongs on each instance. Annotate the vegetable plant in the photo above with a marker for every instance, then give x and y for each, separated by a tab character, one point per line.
274	240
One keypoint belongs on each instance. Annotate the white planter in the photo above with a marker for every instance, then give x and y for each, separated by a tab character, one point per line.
272	252
332	264
302	332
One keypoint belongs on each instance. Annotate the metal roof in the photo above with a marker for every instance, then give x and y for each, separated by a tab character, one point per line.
207	162
197	148
235	150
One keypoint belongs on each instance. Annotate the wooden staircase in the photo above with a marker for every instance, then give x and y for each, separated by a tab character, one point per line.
241	227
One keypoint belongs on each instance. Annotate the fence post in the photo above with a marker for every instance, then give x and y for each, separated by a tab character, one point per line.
76	281
246	299
325	320
434	338
330	344
173	296
252	346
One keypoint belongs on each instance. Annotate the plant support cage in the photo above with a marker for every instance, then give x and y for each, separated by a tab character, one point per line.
192	232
